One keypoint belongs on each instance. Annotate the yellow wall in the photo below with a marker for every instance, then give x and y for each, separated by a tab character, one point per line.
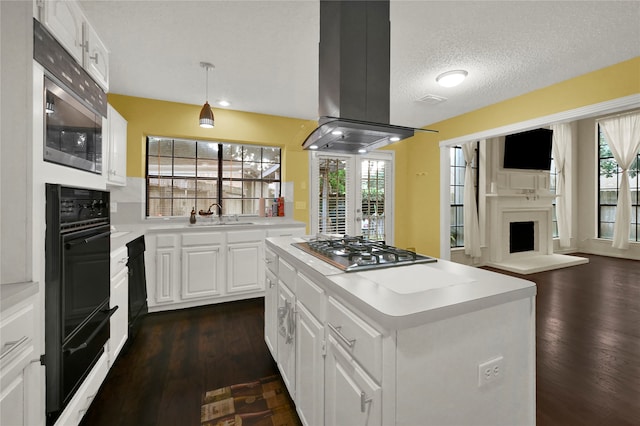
148	117
417	178
417	158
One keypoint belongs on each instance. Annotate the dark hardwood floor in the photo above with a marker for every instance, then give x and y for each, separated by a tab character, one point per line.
176	357
588	343
588	353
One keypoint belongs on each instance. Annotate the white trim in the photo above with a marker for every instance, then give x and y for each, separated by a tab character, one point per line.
612	106
608	107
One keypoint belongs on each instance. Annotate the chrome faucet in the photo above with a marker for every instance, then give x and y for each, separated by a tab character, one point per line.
219	209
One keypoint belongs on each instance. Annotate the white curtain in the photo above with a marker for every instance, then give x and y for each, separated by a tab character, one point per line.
623	136
471	227
561	149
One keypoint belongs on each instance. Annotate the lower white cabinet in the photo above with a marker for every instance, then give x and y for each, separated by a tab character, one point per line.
202	273
119	322
17	336
352	397
286	358
245	261
309	344
270	310
204	265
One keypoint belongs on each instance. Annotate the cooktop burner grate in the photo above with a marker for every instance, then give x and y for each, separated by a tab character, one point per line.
350	253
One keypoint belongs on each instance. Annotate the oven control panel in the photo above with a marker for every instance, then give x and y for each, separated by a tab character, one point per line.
77	205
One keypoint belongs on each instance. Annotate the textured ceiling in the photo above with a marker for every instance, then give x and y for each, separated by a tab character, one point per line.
266	52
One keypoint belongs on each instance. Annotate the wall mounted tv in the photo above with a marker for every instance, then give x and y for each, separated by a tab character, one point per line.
530	150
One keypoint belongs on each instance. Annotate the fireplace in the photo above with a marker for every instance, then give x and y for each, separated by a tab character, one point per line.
521	236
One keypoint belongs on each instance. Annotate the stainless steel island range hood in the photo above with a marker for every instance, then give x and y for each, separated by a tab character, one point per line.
354	79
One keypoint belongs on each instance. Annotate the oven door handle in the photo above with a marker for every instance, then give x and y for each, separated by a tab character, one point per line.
87	240
84	345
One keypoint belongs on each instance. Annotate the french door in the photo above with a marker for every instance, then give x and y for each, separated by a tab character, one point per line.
352	195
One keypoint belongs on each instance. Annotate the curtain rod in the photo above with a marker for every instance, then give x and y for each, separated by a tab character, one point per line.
622	114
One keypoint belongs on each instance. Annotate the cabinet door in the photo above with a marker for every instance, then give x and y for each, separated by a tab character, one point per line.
96	57
286	337
64	20
351	396
202	272
119	322
12	407
271	313
165	275
245	267
309	367
117	146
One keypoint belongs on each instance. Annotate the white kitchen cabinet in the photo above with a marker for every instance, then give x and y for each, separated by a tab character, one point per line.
64	19
309	370
202	265
116	148
166	271
118	323
245	261
270	309
95	56
17	332
286	232
351	396
67	23
286	358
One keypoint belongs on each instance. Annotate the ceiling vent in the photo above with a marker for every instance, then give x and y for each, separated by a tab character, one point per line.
432	99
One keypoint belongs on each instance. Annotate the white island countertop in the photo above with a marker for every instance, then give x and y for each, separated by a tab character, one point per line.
406	296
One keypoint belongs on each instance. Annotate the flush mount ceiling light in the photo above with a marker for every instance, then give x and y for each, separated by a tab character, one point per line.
451	78
224	103
206	114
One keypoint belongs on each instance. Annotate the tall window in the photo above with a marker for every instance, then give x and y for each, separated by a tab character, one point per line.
456	193
608	183
183	174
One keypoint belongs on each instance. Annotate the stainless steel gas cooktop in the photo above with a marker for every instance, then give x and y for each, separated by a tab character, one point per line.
359	254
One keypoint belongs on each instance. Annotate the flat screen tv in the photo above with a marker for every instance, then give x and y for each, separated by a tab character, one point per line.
530	150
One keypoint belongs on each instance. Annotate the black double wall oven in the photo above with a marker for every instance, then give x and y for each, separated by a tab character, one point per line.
77	246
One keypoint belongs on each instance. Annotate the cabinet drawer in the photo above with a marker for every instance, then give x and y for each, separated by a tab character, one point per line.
271	261
119	259
287	274
311	296
286	232
17	329
245	236
202	238
166	240
357	337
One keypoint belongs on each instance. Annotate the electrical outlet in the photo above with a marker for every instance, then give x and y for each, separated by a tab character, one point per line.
491	371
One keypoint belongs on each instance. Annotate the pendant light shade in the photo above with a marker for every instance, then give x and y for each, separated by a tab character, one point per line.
206	114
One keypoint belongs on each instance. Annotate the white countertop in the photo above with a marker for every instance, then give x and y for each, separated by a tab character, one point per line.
407	296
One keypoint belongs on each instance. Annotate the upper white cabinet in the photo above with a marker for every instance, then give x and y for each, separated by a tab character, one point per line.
95	56
68	24
64	19
116	148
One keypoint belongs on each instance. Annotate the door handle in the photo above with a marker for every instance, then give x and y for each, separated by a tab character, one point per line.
84	344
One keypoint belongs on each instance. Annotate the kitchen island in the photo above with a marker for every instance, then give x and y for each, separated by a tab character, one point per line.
425	344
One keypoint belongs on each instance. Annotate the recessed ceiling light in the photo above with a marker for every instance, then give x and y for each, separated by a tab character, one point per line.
336	133
394	139
451	78
362	150
224	103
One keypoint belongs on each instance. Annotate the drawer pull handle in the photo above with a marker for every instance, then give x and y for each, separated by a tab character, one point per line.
13	345
336	330
364	401
268	261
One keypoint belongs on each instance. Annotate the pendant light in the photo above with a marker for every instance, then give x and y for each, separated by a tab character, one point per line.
206	114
